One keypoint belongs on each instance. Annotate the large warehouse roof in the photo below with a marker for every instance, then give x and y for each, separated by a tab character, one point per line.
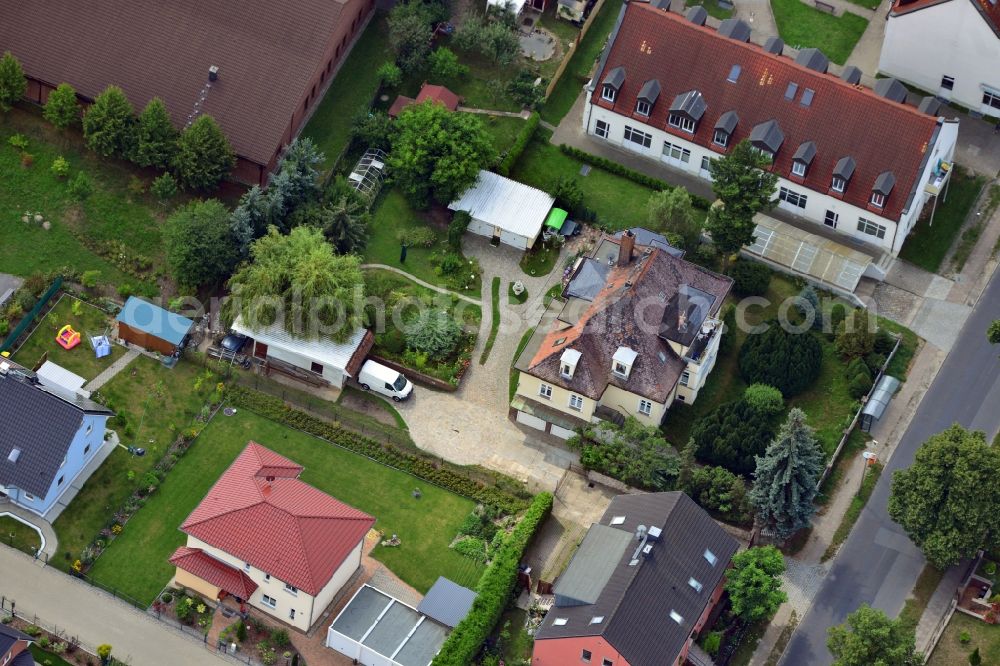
267	54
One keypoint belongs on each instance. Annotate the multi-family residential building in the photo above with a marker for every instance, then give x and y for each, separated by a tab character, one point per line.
638	330
856	161
266	538
640	588
49	436
950	48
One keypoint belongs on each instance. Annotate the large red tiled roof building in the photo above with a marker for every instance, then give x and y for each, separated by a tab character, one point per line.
268	539
852	159
273	60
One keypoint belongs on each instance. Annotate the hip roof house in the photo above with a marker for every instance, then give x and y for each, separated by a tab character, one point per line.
851	161
269	61
268	539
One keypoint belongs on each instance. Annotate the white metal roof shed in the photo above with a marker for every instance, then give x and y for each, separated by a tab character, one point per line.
501	202
321	349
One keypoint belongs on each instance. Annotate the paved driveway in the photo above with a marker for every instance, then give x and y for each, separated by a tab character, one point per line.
470	426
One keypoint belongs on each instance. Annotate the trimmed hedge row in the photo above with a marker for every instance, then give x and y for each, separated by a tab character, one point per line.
494	590
623	171
425	467
520	143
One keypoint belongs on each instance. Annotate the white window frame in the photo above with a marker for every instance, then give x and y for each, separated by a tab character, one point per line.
866	226
724	135
575	402
631	134
792	198
645	407
267	578
246	567
620	370
685	378
27	496
675	153
991	99
291	613
838	184
608	94
269	601
642	107
291	589
680	122
798	168
545	391
566	371
878	200
601	129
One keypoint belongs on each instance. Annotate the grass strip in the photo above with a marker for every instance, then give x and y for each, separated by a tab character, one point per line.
854	511
495	324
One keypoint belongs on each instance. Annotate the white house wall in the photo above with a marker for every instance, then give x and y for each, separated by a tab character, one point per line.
949	39
482	228
331	374
817	203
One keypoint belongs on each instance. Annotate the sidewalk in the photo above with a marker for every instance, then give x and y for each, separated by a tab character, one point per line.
112	370
93	616
937	608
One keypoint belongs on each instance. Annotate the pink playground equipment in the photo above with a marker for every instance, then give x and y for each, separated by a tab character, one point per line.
67	337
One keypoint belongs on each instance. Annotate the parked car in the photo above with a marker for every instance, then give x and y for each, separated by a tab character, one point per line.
234	343
376	377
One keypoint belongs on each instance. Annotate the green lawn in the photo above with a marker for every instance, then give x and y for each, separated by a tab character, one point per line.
84	236
713	9
618	202
16	534
577	72
565	31
801	26
494	322
473	88
540	259
504	131
156	403
927	244
80	359
46	658
516	298
350	92
136	563
950	651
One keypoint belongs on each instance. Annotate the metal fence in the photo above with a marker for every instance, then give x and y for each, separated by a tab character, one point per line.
29	318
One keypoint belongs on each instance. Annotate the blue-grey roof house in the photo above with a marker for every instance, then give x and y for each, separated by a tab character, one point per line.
48	436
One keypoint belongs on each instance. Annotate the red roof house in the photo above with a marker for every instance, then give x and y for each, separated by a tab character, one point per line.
271	540
437	94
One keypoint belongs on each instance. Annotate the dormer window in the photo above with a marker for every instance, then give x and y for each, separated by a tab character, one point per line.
842	173
608	94
882	187
838	184
767	137
622	362
686	110
724	128
647	96
878	200
642	108
799	169
612	84
681	122
568	362
720	138
802	158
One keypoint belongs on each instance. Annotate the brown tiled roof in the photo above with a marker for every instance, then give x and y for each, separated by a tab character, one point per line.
628	312
267	53
842	120
989	10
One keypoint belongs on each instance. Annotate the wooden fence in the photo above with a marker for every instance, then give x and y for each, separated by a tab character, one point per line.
576	45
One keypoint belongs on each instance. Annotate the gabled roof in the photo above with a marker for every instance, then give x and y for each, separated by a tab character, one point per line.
346	356
696	14
775	45
840	118
154	320
505	203
805	152
40	423
631	610
734	28
197	562
851	74
9	637
164	49
891	89
634	310
814	59
260	512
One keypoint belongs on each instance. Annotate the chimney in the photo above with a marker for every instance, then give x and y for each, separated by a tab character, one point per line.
625	248
213	73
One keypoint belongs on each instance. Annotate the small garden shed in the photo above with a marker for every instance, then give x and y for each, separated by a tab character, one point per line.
505	210
151	327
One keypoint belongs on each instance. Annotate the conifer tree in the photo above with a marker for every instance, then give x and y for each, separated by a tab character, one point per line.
204	156
12	81
156	141
62	109
109	124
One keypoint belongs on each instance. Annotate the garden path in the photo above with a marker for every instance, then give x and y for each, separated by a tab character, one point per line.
524	113
428	285
109	373
23	515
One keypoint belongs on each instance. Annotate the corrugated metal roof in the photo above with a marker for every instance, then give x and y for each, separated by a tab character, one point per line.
322	350
505	203
881	396
154	320
51	374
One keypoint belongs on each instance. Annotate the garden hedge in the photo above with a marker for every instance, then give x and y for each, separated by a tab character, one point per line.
426	467
790	362
494	590
623	171
521	142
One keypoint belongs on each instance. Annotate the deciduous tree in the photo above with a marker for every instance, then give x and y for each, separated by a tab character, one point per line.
109	124
786	477
433	331
670	212
754	585
204	156
156	140
437	154
61	108
947	500
410	35
744	189
200	248
445	66
993	332
869	637
13	84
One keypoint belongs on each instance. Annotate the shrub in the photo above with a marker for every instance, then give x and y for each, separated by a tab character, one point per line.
964	638
712	642
80	187
719	491
750	278
184	609
456	229
164	187
731	435
241	632
33	630
167	597
837	314
729	334
60	167
279	638
787	361
856	336
417	237
520	143
569	194
434	332
390	75
808	302
44	642
104	651
445	66
472	547
874	362
860	385
494	590
18	142
523	90
764	399
884	342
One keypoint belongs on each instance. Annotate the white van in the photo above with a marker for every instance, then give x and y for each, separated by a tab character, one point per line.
376	377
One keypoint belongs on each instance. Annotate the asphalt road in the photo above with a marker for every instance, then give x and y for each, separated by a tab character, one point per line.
878	564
